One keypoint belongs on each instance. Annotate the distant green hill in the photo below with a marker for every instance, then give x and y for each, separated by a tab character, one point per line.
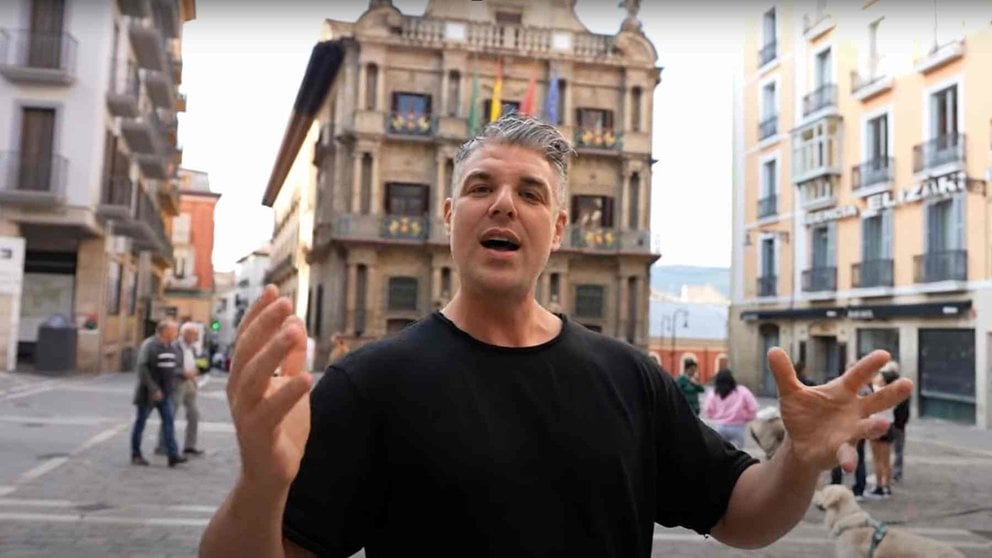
670	278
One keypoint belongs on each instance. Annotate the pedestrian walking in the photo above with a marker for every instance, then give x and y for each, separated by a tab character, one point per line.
881	449
730	407
689	385
184	390
157	362
494	427
861	469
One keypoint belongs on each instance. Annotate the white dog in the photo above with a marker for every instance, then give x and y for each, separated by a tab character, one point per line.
767	430
860	536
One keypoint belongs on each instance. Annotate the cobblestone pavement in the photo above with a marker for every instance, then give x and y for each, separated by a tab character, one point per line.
67	488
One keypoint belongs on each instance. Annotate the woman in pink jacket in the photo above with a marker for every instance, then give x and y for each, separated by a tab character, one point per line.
730	407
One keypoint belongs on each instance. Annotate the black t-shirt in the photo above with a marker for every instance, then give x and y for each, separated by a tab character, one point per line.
434	443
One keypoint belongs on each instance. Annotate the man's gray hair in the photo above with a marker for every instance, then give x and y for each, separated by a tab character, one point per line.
188	326
163	324
522	131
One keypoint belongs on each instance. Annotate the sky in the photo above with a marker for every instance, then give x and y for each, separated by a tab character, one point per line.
243	62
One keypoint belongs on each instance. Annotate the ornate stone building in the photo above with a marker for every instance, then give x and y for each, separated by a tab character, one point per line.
387	134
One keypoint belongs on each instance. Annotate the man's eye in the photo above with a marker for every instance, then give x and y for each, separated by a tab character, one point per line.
479	188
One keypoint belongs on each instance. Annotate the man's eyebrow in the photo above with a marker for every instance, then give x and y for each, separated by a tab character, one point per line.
481	175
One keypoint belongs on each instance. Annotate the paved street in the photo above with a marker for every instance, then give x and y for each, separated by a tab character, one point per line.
67	488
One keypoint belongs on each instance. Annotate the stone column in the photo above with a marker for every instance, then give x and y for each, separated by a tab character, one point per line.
91	287
628	115
377	197
356	182
445	79
362	85
623	299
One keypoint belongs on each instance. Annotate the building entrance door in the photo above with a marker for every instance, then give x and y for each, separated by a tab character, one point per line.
769	339
947	374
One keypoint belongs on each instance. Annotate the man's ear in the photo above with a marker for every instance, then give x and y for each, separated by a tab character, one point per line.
447	215
560	223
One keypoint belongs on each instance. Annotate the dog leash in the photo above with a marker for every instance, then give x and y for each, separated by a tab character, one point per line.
876	538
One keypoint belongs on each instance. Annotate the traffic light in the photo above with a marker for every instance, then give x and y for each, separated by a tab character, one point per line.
215	325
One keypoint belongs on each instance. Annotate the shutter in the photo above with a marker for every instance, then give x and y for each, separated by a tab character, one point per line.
831	260
886	252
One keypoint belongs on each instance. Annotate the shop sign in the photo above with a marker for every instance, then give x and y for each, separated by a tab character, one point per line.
937	186
833	214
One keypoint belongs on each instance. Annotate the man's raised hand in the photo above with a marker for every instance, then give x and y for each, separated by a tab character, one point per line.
271	411
824	422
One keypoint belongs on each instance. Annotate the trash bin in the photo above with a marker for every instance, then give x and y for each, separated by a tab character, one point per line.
55	350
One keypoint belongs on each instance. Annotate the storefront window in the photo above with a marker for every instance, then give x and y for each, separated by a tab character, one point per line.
874	339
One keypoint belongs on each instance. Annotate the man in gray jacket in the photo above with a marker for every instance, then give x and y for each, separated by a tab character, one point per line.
157	361
184	389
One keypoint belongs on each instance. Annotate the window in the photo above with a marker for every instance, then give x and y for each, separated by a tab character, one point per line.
874	56
361	295
589	301
877	139
508	18
454	92
371	86
769	178
635	109
114	289
876	237
597	120
768	101
944	113
366	184
824	69
406	104
402	293
449	174
507	107
634	206
45	42
592	211
822	239
181	228
873	339
768	28
560	113
37	149
768	257
945	225
406	199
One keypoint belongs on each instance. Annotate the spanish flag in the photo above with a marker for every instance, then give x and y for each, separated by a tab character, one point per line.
496	104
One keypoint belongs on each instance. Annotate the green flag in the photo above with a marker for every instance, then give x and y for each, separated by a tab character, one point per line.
473	104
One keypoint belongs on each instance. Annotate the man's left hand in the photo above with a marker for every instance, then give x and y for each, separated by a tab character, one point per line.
824	422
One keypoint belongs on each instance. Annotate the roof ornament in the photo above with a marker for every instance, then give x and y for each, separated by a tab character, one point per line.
631	23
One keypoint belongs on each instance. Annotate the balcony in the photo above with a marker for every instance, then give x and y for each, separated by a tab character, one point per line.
161	90
871	81
872	273
117	198
767	53
32	180
125	89
941	150
820	279
597	139
768	127
944	265
817	23
148	43
167	15
134	8
148	230
767	206
411	124
821	98
403	228
940	55
523	41
37	58
817	150
606	240
872	173
768	285
144	133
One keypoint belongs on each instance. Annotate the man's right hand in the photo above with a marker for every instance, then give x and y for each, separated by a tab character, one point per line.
271	413
157	396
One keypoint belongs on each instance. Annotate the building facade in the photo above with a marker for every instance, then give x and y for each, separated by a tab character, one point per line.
225	310
862	158
387	135
684	330
189	283
250	273
88	103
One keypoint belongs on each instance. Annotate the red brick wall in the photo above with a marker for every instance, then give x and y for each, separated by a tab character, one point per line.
705	356
201	211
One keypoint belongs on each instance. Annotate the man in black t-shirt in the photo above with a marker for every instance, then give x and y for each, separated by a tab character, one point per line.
494	427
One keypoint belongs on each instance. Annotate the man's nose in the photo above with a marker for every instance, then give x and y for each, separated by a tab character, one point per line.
503	203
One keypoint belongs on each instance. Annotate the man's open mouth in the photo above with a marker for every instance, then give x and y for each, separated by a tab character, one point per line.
500	244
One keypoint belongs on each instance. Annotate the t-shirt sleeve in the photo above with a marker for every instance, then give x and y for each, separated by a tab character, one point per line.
697	469
338	490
